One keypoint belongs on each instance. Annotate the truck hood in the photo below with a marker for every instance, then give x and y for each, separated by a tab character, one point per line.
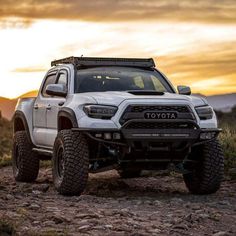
116	98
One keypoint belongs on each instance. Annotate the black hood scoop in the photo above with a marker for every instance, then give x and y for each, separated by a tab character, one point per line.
145	92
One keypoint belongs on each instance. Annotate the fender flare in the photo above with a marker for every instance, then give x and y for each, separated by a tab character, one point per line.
20	115
69	114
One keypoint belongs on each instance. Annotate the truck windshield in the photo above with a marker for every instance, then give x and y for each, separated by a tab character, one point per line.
101	79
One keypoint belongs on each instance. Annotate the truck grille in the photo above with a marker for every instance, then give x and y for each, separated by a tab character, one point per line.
139	108
137	112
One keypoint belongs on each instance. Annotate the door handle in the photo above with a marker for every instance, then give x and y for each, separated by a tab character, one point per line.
36	107
49	107
60	104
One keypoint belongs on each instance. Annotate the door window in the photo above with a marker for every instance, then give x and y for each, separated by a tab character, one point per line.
51	79
62	79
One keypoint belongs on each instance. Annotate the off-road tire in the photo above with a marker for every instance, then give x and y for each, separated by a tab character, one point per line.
73	179
25	162
208	173
127	173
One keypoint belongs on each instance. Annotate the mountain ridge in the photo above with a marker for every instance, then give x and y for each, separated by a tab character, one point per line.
221	102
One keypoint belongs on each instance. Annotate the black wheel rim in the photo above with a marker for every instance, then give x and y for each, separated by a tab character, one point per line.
60	161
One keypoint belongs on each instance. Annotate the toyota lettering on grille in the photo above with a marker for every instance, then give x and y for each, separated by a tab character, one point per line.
160	115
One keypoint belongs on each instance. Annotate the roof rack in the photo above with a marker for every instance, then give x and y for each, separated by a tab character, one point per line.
106	61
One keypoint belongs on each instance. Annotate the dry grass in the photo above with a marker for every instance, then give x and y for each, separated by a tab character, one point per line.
228	141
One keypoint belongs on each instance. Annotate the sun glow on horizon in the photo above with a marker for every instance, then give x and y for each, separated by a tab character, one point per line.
181	50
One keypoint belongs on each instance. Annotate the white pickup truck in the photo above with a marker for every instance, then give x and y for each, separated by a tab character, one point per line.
95	114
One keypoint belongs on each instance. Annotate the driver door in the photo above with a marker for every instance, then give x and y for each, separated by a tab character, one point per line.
40	110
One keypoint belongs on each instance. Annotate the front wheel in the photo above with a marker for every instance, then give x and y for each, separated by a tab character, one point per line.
70	162
206	176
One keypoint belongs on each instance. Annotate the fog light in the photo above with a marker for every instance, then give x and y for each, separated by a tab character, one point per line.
98	135
116	136
107	135
207	135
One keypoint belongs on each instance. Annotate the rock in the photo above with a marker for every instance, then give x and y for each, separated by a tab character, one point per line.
176	200
204	216
49	223
36	222
154	231
215	216
157	203
224	203
25	187
24	204
84	227
220	233
148	202
166	225
196	207
41	187
138	202
52	209
34	206
154	216
108	226
58	219
9	197
36	192
181	226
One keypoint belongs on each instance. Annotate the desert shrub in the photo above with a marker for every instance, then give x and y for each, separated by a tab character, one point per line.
5	136
228	141
227	121
5	160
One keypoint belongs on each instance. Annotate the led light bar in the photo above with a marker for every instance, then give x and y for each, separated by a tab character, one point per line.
105	61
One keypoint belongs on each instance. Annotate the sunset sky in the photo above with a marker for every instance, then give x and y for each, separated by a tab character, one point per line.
192	41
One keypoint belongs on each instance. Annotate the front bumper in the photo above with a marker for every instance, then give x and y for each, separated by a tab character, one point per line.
134	137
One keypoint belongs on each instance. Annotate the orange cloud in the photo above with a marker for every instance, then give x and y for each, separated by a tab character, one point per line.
209	11
209	70
29	69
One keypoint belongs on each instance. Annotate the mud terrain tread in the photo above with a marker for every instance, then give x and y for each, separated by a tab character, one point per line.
76	156
206	179
28	167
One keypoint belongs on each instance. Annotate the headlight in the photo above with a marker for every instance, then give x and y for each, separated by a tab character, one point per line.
205	112
100	111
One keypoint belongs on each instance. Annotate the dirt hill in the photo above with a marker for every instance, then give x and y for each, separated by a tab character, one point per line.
7	106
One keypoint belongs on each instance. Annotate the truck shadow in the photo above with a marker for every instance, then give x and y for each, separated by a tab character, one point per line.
109	184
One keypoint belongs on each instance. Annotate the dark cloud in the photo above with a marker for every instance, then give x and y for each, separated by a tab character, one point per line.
208	11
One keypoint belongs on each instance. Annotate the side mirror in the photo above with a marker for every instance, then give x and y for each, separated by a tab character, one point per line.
59	90
184	90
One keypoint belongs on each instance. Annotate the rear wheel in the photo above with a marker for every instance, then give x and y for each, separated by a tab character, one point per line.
70	163
206	176
25	162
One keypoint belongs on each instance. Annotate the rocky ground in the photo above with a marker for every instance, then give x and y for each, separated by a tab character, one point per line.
157	205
